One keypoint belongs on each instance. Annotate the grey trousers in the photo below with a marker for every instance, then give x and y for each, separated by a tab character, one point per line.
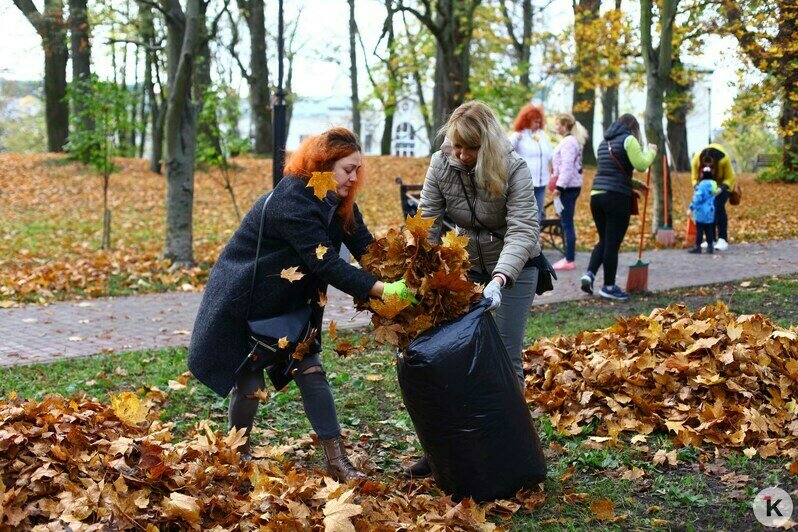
511	316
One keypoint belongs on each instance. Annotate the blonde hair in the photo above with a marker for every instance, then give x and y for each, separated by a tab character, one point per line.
474	124
577	129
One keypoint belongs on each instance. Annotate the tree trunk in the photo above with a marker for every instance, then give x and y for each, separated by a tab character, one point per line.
787	121
147	95
353	69
52	29
584	96
81	54
679	103
658	63
259	91
55	84
202	81
387	134
182	35
677	141
609	106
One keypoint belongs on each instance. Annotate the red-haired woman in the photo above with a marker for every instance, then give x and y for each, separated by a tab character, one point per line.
532	143
296	224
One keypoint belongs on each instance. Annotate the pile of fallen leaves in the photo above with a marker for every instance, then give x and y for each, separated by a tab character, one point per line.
77	463
436	274
707	377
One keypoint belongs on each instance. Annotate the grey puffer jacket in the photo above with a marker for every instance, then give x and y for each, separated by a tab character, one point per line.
513	215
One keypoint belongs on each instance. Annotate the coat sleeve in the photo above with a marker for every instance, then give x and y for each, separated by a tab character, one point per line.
300	220
521	241
694	169
726	172
433	203
568	175
358	240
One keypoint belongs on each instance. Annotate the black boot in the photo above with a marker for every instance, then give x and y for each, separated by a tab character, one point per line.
696	250
420	469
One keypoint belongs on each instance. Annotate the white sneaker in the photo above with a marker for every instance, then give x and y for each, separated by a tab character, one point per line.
704	244
721	245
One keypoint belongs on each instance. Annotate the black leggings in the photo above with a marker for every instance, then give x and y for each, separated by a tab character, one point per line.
721	219
611	212
702	230
317	398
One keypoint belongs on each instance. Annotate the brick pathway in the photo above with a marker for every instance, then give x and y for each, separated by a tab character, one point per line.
42	334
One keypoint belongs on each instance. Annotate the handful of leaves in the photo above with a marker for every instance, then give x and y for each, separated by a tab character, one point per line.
436	274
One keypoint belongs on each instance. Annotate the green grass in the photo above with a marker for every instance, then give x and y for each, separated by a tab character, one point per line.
369	402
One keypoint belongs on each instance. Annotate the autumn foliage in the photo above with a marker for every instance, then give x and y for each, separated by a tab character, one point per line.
435	273
51	225
78	462
708	377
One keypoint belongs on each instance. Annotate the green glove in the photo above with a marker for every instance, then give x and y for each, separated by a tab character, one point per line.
398	289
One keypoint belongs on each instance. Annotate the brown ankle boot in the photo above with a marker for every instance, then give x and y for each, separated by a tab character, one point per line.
338	465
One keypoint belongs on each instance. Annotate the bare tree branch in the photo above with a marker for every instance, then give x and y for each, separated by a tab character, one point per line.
32	14
215	23
232	49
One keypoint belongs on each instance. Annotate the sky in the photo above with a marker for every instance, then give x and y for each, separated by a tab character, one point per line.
323	31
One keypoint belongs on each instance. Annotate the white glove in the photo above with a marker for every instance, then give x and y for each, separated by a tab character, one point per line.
493	292
558	206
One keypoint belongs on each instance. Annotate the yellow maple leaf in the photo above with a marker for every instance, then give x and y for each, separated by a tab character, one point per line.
320	251
129	408
321	183
322	299
333	333
418	225
338	512
452	241
292	274
182	506
282	343
392	306
603	509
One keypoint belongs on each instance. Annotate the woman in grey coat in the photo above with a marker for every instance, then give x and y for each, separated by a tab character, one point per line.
297	223
486	189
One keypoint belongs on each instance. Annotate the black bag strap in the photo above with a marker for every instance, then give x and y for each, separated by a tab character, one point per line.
617	162
474	212
257	253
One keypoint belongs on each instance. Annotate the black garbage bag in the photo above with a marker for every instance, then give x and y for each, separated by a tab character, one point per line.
468	409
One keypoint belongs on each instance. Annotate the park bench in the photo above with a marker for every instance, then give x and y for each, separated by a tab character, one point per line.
550	228
764	160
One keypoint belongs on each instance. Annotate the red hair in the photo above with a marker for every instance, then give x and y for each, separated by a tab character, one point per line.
319	154
526	115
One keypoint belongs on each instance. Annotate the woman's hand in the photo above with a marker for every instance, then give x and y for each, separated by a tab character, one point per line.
641	187
556	193
652	147
398	289
493	293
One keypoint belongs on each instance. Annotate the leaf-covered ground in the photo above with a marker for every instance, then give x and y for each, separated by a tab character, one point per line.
50	226
632	485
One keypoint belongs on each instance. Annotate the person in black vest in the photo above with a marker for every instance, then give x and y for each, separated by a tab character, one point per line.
297	227
619	155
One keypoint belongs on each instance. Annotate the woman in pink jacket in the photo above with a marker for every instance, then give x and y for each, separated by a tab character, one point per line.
566	180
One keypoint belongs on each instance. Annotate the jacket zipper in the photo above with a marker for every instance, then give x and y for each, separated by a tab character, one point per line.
474	222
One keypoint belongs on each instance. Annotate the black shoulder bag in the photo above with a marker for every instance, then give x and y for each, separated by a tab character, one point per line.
265	334
545	270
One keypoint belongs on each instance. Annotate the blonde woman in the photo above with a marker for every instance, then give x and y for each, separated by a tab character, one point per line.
566	180
486	188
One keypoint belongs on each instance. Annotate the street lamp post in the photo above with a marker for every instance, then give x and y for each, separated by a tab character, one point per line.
278	109
709	112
